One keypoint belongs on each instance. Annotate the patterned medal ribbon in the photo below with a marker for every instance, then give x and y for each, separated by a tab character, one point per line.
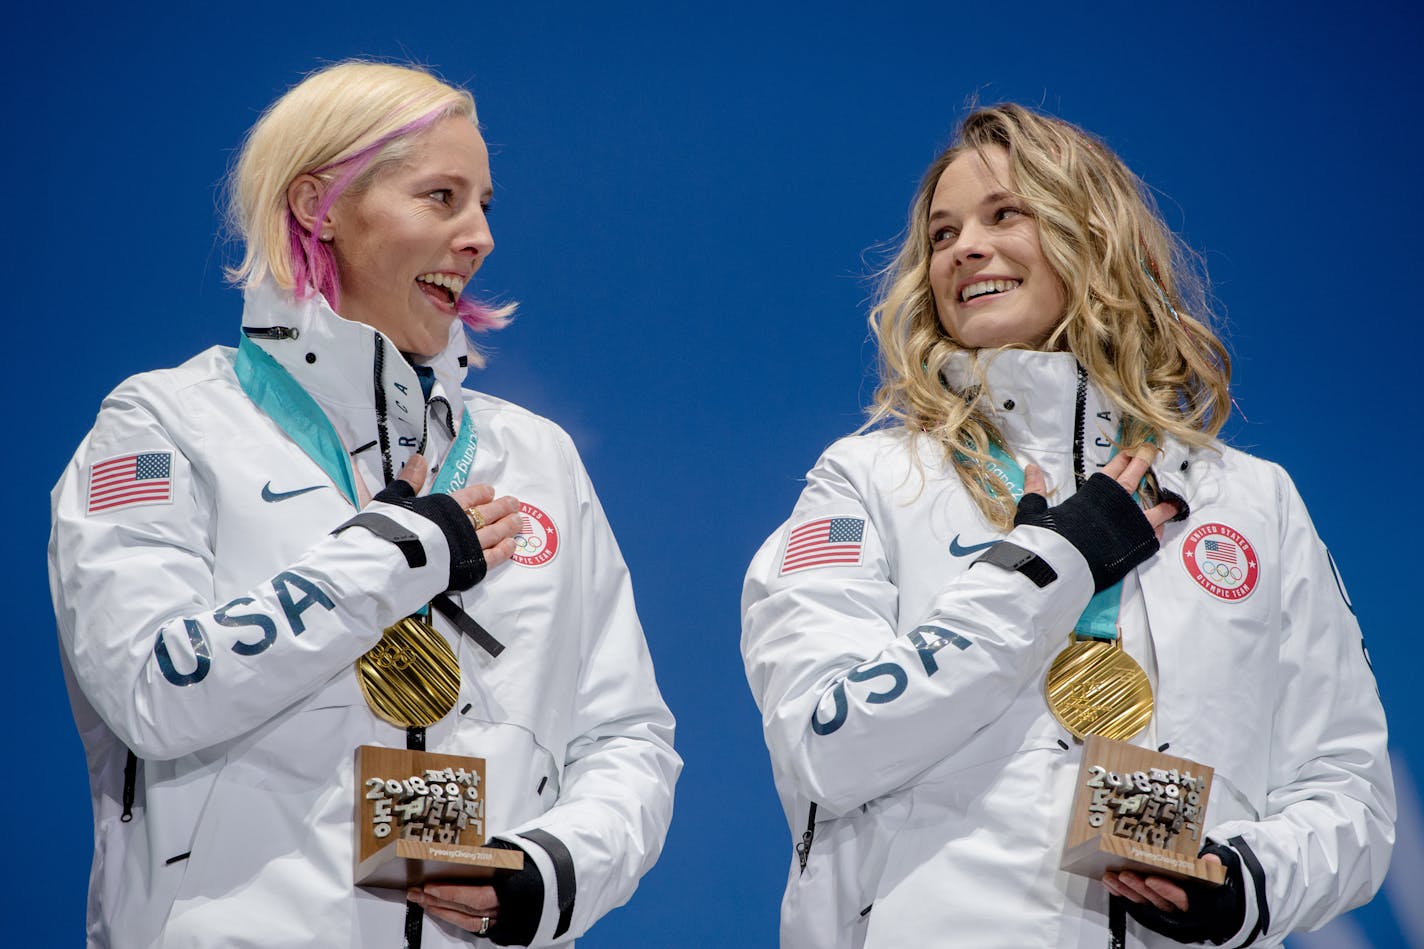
412	676
1093	686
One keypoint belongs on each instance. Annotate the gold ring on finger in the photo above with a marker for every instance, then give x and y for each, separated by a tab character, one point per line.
476	517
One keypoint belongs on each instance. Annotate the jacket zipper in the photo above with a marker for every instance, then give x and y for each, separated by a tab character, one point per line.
1080	422
803	849
1117	909
382	434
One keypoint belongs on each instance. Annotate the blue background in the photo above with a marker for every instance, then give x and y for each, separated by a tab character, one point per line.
688	205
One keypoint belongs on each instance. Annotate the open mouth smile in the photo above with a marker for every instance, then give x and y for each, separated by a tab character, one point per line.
986	288
442	288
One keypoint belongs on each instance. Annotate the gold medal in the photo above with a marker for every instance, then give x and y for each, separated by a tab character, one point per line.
1095	688
411	677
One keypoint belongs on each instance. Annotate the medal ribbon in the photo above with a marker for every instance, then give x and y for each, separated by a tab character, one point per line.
1099	618
283	399
424	679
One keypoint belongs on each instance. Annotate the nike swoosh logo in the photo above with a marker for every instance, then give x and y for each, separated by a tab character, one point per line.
269	495
955	550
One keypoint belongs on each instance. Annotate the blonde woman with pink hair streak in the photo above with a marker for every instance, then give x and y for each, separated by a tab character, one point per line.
244	546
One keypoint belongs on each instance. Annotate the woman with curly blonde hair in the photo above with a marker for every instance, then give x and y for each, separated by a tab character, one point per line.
1050	395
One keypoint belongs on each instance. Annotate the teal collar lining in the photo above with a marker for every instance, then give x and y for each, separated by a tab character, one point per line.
276	393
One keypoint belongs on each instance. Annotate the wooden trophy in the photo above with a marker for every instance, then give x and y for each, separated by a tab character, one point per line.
1139	810
420	817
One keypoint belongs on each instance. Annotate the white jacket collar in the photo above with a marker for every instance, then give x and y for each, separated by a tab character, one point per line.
1033	398
1030	396
339	345
333	359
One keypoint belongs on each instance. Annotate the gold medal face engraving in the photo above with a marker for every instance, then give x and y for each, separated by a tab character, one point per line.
1095	688
411	677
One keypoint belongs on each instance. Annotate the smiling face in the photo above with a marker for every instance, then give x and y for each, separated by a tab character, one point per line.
407	244
991	284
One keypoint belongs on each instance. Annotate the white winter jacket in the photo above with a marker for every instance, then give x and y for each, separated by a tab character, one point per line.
209	621
902	692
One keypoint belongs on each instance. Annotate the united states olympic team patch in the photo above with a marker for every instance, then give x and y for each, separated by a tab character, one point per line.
538	540
1222	562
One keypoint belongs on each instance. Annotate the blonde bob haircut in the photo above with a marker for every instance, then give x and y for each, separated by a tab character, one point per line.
342	124
1135	314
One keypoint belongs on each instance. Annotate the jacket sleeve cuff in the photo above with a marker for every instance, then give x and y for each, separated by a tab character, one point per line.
1258	914
521	901
1063	598
547	858
1011	556
415	545
1058	551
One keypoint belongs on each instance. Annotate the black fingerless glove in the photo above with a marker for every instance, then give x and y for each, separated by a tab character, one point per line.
1214	913
467	560
1103	521
521	901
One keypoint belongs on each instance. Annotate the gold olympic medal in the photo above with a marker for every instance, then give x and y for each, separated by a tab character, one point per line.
1095	688
411	677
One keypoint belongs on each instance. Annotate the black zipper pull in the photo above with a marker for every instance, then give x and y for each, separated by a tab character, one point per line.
803	849
130	780
271	332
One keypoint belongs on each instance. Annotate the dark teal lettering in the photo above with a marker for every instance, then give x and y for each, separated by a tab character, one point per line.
261	620
1340	583
891	669
312	595
929	640
838	695
199	642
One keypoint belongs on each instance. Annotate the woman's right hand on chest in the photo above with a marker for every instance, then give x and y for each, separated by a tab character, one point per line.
491	522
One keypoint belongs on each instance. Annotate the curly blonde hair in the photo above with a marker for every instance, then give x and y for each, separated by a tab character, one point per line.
1135	313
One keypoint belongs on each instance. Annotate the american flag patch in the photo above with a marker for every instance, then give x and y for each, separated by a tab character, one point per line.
144	478
1222	550
823	542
